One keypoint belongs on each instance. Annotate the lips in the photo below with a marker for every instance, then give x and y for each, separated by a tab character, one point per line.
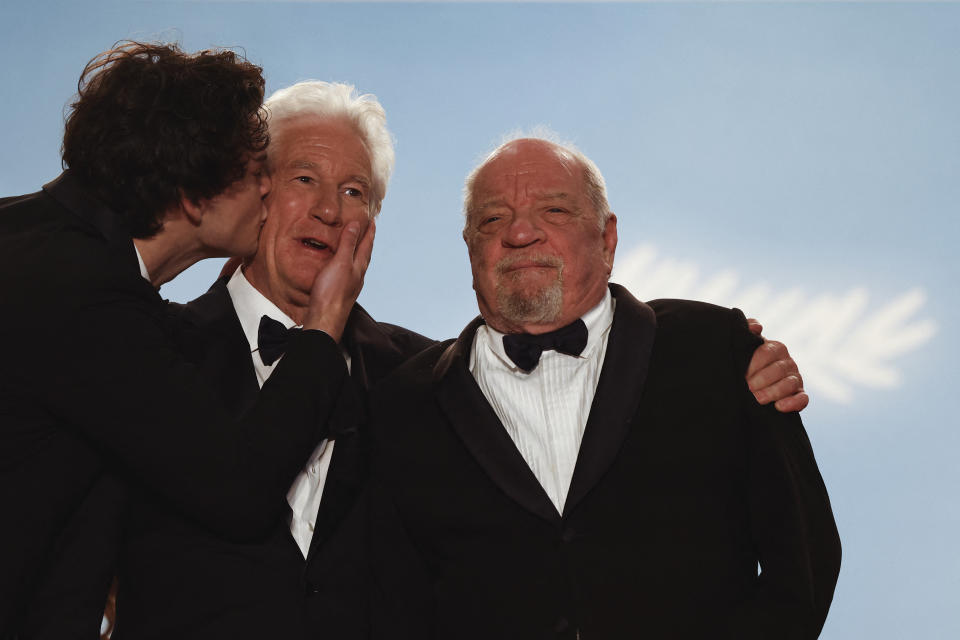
528	265
315	245
518	263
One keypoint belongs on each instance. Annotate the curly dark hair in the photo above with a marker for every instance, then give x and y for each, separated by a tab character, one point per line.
151	122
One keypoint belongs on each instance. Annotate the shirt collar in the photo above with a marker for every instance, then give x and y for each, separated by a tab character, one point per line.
251	305
143	266
598	321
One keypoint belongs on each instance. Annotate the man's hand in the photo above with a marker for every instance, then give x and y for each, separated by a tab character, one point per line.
773	375
339	283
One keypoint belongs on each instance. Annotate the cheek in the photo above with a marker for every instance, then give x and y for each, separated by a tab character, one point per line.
483	252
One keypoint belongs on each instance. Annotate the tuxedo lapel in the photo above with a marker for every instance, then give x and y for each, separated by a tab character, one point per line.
618	392
213	338
372	355
477	425
373	351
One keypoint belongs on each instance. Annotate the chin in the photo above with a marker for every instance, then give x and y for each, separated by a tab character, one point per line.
531	305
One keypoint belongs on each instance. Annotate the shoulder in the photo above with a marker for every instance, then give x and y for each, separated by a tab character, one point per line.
12	205
409	342
704	332
205	321
37	218
403	404
206	309
672	312
388	340
699	321
48	256
413	377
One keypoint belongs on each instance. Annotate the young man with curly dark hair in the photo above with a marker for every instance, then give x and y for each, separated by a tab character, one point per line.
163	151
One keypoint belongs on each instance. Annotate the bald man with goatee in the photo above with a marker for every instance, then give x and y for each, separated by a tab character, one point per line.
579	464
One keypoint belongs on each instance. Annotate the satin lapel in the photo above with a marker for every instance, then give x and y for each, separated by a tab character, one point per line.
478	426
372	356
219	347
373	353
618	392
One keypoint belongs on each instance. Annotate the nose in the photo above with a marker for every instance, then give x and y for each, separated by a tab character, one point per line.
266	184
522	231
326	209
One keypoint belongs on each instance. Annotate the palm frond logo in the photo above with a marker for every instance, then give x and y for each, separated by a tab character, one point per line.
839	340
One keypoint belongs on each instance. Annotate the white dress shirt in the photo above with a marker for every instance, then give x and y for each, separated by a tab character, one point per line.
545	411
143	265
307	489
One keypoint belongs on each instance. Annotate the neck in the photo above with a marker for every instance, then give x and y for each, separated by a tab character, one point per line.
170	251
292	308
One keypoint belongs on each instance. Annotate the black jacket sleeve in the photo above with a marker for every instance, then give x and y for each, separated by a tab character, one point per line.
115	377
792	522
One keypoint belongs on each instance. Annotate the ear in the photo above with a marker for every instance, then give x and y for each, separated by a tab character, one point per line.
468	235
609	235
193	209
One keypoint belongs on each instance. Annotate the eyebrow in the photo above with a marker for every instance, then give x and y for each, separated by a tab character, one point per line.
558	195
500	202
364	181
306	164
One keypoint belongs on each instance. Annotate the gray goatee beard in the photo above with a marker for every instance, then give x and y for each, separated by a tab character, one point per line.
520	303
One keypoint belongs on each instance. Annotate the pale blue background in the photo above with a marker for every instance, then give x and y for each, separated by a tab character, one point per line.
806	145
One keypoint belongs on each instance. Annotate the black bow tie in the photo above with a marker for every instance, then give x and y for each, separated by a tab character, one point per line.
525	349
272	338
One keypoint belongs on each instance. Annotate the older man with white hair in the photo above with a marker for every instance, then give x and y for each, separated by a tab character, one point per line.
330	156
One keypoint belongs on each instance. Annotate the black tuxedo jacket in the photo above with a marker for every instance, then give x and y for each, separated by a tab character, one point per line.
93	377
178	579
683	484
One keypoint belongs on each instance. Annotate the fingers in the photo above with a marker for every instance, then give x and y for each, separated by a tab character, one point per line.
773	373
780	389
754	326
773	376
765	355
349	238
364	249
796	402
336	287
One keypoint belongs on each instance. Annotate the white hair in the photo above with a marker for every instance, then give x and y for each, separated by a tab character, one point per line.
339	100
595	184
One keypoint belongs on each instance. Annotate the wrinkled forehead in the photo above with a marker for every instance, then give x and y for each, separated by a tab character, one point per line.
529	170
335	133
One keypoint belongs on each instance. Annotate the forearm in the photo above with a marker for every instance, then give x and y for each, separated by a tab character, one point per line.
794	532
132	395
